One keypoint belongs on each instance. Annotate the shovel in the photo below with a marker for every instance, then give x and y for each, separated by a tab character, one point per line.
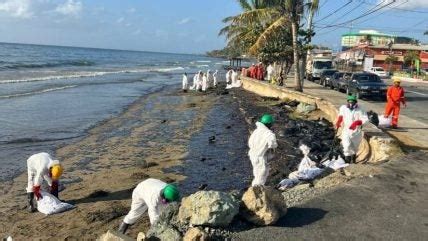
331	152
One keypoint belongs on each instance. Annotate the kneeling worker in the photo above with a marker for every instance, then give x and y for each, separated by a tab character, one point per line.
261	140
352	117
42	166
151	195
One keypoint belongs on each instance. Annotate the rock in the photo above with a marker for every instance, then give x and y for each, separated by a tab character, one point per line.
195	234
141	236
162	231
202	186
114	236
263	205
210	208
305	108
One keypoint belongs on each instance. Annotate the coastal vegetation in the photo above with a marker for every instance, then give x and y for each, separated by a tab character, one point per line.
273	31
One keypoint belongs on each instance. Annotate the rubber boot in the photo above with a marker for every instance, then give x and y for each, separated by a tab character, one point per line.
30	198
348	159
123	227
354	159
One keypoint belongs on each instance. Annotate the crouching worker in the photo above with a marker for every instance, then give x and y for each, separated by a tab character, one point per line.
261	140
42	166
151	195
352	117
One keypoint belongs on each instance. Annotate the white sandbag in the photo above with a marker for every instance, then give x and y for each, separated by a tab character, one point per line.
287	183
336	163
49	204
384	122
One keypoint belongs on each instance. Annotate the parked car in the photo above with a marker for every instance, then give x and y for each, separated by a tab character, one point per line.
339	80
366	84
326	75
379	71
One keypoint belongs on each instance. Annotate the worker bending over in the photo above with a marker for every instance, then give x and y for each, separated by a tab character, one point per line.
151	194
42	166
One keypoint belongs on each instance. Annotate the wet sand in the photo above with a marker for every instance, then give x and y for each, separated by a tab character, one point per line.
101	170
164	135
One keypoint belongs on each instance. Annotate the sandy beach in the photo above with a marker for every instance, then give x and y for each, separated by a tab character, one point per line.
102	169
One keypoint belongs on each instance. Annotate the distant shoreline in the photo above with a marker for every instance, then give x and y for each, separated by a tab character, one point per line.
122	50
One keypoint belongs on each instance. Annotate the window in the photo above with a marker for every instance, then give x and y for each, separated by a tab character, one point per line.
323	65
368	78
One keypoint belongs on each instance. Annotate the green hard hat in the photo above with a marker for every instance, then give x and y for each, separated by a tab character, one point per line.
351	98
171	193
267	119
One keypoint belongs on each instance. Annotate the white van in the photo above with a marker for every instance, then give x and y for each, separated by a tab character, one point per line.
379	71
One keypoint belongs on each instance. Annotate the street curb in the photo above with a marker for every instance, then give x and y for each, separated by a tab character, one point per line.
377	146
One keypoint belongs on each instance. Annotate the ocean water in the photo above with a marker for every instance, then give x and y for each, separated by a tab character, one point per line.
52	95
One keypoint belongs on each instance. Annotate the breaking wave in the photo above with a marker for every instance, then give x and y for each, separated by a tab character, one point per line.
89	74
11	65
37	92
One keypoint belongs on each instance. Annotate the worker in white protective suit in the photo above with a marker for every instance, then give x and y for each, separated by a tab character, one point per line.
270	72
42	166
185	82
150	195
229	76
215	80
204	82
261	141
351	118
209	79
200	80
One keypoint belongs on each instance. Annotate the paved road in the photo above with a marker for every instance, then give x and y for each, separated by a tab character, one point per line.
417	98
413	119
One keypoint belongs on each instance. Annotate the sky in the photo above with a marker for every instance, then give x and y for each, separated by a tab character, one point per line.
185	26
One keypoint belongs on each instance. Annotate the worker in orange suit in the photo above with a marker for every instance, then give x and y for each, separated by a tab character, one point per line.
395	96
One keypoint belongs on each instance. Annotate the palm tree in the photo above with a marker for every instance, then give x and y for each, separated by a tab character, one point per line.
261	20
313	7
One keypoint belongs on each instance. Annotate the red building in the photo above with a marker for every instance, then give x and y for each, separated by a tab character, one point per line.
381	52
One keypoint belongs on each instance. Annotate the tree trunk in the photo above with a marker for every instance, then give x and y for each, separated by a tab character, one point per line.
296	57
305	55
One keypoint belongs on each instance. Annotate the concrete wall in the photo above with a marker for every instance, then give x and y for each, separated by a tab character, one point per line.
377	145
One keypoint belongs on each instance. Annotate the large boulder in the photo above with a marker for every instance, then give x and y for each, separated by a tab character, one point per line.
166	226
114	236
195	234
163	232
210	208
263	205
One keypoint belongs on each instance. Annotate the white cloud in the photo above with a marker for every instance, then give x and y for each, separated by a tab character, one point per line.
71	8
136	32
16	8
184	21
120	20
405	4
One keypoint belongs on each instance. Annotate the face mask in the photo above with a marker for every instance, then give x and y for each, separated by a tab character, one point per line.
164	201
352	106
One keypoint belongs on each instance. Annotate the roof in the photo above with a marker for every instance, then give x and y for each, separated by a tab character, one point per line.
402	47
370	34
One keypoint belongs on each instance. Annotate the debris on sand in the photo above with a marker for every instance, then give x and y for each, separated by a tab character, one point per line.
106	215
98	193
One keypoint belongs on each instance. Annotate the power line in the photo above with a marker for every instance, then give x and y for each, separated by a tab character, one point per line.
399	9
335	11
371	11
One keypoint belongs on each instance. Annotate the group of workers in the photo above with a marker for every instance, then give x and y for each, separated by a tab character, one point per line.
201	81
255	71
152	195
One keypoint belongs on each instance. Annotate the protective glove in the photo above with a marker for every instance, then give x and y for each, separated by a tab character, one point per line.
37	194
339	121
54	188
355	124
